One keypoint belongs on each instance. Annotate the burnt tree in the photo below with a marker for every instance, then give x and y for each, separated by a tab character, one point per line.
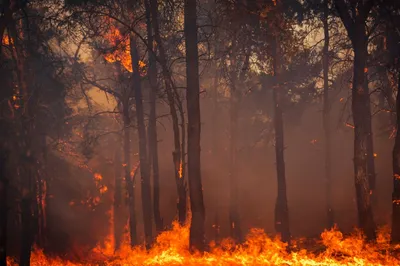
144	167
178	155
327	118
395	237
355	25
196	238
281	206
152	130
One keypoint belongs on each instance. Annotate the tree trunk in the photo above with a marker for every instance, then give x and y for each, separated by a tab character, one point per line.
281	207
26	220
215	147
196	238
361	117
233	202
128	177
178	153
152	131
3	207
118	224
327	121
395	238
144	166
356	30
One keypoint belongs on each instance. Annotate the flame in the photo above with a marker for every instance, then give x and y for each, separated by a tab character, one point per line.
97	177
134	169
180	171
172	248
7	40
121	43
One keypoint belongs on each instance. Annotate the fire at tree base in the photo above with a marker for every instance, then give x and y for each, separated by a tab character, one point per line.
172	248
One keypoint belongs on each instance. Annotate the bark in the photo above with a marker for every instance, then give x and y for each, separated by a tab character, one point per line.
281	207
233	206
361	118
395	237
196	238
152	131
128	177
363	169
327	121
215	147
234	216
3	208
26	222
144	166
118	224
179	144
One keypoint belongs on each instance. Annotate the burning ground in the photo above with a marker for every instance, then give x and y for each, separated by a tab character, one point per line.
171	248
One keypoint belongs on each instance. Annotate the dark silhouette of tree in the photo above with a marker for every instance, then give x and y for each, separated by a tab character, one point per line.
196	239
354	16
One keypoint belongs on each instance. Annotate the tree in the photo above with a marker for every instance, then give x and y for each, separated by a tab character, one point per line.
355	25
178	155
144	166
326	116
196	239
152	130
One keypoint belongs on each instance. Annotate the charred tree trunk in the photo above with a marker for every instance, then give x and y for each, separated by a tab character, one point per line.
144	166
27	216
215	147
395	238
128	177
178	153
118	224
26	222
362	131
281	206
356	31
327	121
3	207
152	131
196	238
233	202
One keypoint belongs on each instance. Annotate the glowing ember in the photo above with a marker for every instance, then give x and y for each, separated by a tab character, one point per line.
171	248
180	171
6	40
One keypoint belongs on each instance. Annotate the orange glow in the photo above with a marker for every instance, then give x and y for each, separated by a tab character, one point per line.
6	40
98	177
172	248
180	171
134	169
121	43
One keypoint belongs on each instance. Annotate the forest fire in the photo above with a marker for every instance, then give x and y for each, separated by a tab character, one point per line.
103	162
171	248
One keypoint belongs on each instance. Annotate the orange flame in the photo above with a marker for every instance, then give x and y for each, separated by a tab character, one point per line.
172	248
180	171
121	43
6	40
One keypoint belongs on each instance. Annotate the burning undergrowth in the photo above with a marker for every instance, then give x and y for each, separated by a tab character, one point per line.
172	248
